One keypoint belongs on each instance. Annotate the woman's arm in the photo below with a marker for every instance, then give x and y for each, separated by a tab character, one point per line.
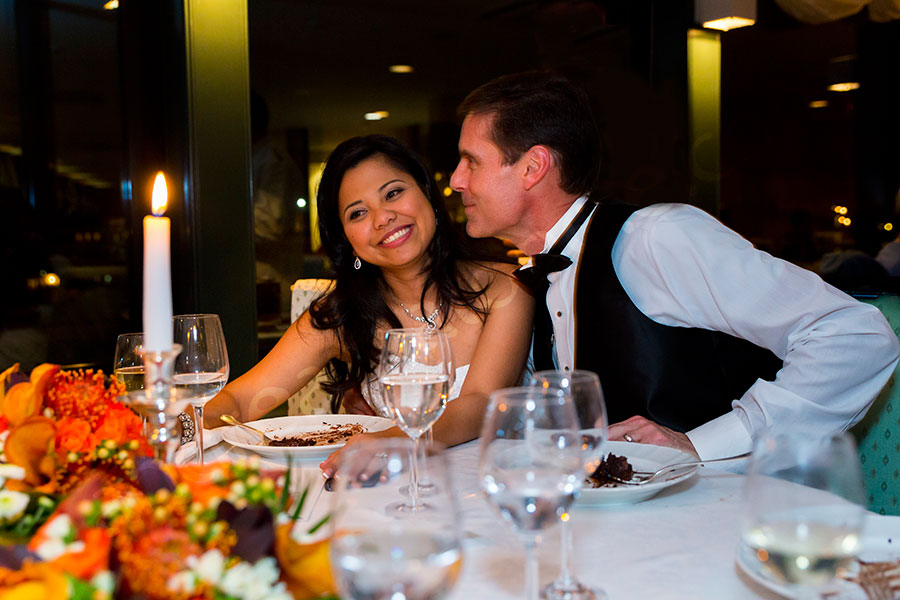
300	353
498	361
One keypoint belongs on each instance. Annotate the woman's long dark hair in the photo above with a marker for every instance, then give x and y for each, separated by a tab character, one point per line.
357	303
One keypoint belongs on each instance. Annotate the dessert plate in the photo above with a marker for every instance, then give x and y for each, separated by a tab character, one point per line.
281	427
642	457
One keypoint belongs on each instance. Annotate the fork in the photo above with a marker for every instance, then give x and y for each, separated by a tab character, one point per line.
673	470
879	580
266	440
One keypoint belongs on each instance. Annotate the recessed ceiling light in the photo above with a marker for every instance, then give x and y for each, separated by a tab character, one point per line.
377	115
111	5
400	69
846	86
728	23
818	104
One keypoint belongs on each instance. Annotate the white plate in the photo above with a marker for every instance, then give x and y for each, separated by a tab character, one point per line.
280	427
642	457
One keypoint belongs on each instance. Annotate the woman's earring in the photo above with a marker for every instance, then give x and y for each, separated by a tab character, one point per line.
357	264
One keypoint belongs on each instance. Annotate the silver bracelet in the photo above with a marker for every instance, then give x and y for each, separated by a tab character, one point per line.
187	427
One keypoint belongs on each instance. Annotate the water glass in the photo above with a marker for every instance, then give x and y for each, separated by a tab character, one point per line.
374	555
803	509
414	373
583	387
530	466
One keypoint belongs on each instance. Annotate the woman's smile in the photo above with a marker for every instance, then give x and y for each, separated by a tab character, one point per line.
396	237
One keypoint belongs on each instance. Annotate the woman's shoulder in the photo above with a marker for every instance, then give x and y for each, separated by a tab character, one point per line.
486	272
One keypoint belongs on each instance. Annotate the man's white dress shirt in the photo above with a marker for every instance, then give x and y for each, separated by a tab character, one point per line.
681	267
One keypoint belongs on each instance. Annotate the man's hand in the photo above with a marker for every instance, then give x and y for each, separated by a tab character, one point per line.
643	431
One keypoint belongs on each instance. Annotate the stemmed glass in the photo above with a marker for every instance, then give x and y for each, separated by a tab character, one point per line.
374	555
803	514
531	465
202	367
587	396
414	373
128	364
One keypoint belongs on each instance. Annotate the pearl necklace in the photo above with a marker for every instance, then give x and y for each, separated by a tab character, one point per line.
429	321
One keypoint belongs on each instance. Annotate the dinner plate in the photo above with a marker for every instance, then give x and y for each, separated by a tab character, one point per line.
280	427
643	457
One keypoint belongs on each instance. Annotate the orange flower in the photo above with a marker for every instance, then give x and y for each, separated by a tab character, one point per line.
90	561
304	567
120	425
74	435
33	580
25	399
30	445
83	395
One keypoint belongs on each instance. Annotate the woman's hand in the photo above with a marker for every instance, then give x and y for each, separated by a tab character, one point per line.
330	465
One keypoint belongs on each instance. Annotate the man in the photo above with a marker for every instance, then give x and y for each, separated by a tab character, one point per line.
700	340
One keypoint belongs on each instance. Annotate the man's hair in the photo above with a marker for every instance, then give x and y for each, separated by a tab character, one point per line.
538	107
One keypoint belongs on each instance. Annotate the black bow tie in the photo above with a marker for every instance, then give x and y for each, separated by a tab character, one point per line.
535	277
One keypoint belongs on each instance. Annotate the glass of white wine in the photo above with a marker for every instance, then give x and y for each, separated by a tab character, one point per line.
128	364
803	510
202	367
375	555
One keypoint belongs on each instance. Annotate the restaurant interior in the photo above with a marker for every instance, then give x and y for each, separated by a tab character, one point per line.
751	124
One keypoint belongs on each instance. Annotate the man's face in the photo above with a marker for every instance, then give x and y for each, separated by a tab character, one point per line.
491	191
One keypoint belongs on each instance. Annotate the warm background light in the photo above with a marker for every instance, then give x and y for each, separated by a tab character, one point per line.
844	87
818	104
728	23
160	195
376	115
400	69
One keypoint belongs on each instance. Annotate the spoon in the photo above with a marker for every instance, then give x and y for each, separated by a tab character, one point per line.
673	470
266	440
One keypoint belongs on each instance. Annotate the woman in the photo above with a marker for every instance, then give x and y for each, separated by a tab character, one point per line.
397	263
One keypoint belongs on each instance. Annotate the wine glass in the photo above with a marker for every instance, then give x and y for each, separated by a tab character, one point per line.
587	396
202	367
414	373
128	364
375	555
530	466
803	510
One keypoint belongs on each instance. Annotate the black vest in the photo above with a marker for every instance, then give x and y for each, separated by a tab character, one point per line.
676	376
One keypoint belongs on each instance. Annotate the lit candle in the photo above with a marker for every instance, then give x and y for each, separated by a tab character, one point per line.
157	273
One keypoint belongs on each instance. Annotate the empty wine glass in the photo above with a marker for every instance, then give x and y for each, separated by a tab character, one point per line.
128	363
587	397
378	556
530	466
202	367
802	514
414	373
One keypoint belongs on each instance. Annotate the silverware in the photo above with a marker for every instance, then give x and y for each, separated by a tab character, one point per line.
266	440
673	470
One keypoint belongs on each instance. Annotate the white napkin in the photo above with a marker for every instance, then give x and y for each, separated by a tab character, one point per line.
880	539
188	452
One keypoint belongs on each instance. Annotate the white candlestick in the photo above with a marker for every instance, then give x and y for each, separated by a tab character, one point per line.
157	277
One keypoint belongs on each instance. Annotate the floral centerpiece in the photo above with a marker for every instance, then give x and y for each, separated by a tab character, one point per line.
88	514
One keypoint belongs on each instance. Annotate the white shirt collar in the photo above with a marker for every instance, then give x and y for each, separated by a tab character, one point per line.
560	227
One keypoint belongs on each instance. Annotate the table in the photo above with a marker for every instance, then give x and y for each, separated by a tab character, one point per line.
678	545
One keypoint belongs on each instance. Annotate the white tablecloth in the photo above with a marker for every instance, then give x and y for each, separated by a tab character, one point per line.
678	545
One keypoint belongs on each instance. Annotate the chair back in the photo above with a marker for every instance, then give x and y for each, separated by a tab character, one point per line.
878	434
311	399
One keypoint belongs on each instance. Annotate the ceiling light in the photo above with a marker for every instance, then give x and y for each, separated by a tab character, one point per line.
725	14
842	74
377	115
818	104
111	5
400	69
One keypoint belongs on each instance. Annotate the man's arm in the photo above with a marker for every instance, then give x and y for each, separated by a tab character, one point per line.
683	268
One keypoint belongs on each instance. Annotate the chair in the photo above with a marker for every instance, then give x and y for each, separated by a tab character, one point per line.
311	399
878	434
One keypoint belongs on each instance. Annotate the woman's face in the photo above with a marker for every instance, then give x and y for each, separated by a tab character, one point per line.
386	217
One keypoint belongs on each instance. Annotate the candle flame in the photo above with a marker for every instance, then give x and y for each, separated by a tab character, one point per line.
160	195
